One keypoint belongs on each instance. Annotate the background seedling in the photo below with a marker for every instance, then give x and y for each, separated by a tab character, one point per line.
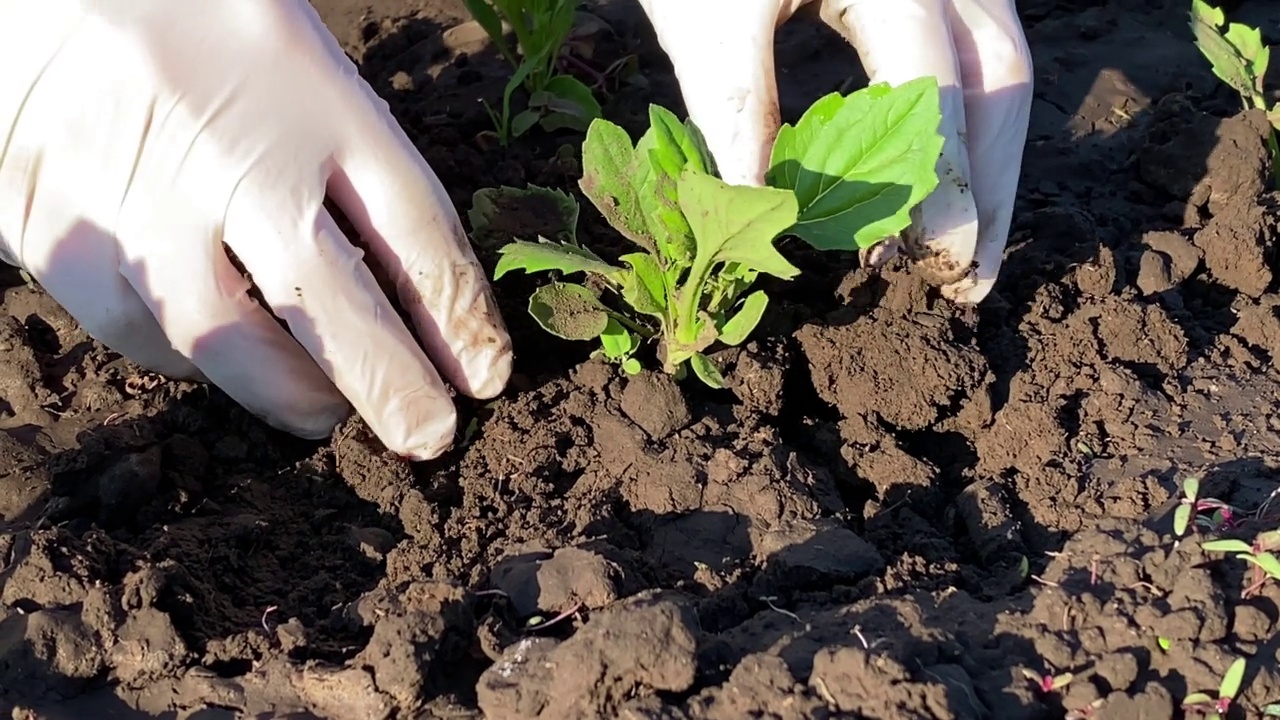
1240	60
1266	566
556	100
1215	708
1191	505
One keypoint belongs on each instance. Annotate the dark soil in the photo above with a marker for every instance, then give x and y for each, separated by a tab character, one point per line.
897	508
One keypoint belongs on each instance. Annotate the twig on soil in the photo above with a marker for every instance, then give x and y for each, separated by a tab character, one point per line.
1042	581
566	614
821	686
769	601
266	613
857	630
1146	586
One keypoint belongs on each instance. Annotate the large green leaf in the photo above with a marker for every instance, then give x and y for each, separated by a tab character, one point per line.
608	164
860	163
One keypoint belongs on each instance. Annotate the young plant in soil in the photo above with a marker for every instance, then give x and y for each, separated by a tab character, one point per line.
1202	704
844	177
557	101
702	243
1260	554
1191	505
1240	60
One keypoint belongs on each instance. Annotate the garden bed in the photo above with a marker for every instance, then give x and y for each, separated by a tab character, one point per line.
896	508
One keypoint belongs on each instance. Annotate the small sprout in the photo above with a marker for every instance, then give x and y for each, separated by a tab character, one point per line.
1272	710
1182	516
1215	708
1048	683
1164	643
1187	515
542	28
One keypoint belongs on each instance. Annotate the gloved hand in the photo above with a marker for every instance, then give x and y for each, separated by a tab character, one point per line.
144	144
722	51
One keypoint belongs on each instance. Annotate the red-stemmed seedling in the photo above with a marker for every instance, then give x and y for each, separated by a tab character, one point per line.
1259	554
1222	516
1216	708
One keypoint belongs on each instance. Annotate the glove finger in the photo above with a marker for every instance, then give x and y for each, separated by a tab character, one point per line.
409	226
183	274
316	281
82	273
723	61
995	63
900	41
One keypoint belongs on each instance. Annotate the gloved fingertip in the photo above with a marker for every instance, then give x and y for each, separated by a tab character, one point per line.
487	370
417	426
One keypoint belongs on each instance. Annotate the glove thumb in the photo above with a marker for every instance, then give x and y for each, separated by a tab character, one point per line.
726	77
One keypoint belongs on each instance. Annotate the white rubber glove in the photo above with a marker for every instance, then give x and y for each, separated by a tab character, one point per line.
142	139
722	51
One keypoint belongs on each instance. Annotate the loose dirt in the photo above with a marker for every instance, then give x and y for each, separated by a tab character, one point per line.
897	508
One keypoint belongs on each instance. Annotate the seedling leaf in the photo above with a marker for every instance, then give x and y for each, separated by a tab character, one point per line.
533	257
1218	50
1266	561
566	103
737	328
857	171
644	288
1227	546
568	311
1181	518
1197	699
1231	680
736	223
616	340
1191	488
706	371
608	164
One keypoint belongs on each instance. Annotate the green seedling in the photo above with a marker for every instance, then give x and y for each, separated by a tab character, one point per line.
1215	708
557	101
1240	60
859	163
845	176
1192	505
702	243
1260	554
